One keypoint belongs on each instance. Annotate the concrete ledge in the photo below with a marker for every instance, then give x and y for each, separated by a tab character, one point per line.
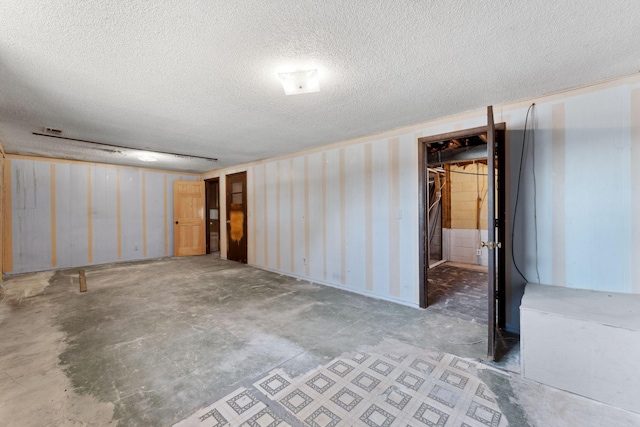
585	342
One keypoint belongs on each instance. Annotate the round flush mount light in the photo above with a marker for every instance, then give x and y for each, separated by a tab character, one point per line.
147	158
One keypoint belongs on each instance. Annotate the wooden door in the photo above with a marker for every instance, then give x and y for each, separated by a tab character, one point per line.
189	217
237	217
492	245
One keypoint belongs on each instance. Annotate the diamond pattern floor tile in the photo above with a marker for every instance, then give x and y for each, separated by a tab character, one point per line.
424	388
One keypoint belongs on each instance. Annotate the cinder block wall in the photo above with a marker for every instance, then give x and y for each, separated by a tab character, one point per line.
468	183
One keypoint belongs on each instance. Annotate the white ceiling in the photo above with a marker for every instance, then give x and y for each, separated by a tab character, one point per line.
199	77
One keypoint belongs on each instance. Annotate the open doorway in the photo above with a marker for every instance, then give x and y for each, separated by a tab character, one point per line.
462	212
458	264
212	189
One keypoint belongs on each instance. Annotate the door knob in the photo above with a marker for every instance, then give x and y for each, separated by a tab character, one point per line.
228	221
176	222
491	245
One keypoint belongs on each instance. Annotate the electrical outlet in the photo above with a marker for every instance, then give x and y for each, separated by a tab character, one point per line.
479	252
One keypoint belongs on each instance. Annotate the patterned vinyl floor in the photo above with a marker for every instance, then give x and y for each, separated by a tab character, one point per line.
363	389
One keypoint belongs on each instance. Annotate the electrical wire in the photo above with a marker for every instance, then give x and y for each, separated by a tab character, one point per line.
515	209
535	190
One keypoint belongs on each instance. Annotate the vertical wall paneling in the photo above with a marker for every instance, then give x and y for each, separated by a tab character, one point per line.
119	213
272	226
395	214
324	216
105	239
31	227
380	217
258	220
368	215
258	172
166	218
352	209
299	216
52	192
7	218
64	216
70	214
254	243
408	223
78	215
285	204
292	228
131	213
307	235
634	265
265	216
315	253
343	220
543	148
89	218
602	237
334	218
155	217
144	214
558	150
104	214
355	252
278	219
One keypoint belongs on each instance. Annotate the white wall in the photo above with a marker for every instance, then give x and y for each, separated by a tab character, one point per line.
350	209
69	214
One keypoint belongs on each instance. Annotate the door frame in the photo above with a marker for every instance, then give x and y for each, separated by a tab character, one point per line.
423	185
207	187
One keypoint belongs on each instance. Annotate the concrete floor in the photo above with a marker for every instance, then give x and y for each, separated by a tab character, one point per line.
151	342
459	290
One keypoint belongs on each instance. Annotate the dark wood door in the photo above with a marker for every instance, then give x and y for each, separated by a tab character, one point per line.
492	243
237	217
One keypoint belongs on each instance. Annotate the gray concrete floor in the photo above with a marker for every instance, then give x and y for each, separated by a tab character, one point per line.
150	342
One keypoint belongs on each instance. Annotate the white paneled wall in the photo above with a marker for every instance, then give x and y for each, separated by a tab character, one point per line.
69	214
347	214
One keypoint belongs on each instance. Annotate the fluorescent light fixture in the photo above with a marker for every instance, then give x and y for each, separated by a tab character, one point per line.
299	82
147	158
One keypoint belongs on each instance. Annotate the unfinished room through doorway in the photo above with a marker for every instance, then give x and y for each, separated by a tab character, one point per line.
462	212
457	226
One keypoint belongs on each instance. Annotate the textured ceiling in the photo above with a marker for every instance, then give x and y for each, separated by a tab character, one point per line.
200	77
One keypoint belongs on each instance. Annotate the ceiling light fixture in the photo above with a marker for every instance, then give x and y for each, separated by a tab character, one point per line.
147	158
299	82
119	149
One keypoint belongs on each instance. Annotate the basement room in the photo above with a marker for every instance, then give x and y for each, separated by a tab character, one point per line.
338	213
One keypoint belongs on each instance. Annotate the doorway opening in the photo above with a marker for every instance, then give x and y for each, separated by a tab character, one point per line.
458	264
237	217
462	212
212	189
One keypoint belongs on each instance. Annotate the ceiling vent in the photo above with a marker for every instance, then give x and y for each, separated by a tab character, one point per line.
53	131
